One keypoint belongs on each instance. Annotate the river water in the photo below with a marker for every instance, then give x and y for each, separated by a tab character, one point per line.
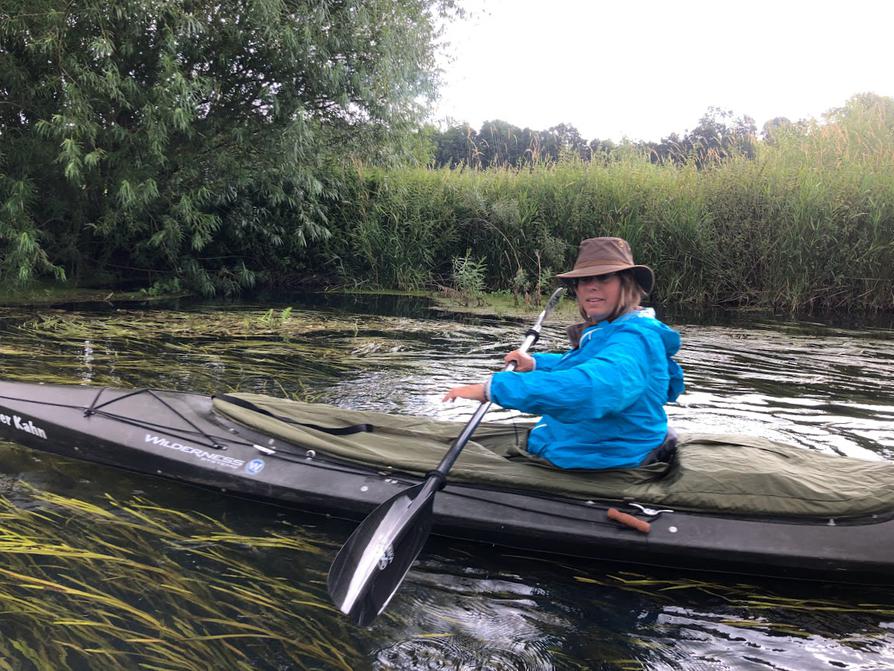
103	569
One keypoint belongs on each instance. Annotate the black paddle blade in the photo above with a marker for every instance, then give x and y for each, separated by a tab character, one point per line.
372	564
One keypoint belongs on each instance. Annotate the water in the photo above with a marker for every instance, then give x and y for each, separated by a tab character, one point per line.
101	569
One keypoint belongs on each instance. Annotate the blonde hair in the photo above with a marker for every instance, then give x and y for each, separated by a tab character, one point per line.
631	296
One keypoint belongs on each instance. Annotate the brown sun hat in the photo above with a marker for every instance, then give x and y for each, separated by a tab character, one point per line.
598	256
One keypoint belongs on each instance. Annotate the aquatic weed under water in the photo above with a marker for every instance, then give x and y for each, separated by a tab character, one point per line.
132	584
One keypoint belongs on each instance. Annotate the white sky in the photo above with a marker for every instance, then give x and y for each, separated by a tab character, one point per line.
646	68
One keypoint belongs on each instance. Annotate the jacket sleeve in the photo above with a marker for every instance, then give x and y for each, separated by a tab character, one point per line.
607	383
546	360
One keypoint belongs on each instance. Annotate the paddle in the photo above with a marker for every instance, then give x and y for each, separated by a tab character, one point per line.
372	564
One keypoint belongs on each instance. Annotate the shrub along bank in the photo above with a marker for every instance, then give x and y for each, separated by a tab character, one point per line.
805	225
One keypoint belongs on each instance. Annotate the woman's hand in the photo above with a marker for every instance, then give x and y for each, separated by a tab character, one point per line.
474	392
523	362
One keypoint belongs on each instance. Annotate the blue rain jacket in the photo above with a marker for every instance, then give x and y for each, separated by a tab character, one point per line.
602	403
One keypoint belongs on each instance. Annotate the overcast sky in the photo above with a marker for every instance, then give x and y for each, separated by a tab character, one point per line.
646	68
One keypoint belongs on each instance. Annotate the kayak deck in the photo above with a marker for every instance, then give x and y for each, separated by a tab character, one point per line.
182	436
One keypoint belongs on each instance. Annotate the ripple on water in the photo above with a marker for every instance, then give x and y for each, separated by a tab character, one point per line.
518	614
690	640
474	620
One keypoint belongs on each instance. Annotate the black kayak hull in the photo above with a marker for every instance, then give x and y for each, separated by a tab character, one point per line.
180	436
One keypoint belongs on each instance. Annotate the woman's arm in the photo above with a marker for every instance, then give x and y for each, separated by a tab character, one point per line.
607	383
474	392
546	361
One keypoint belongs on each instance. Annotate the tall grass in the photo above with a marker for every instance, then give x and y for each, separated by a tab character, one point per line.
806	225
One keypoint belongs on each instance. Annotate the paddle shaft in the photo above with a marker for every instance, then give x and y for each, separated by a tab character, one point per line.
453	453
436	478
373	562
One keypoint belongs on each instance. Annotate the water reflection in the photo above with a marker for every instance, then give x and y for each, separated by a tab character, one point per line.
463	606
517	613
832	391
473	619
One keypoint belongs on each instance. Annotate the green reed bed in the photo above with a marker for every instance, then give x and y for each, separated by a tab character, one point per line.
216	351
188	330
808	224
130	584
125	346
286	352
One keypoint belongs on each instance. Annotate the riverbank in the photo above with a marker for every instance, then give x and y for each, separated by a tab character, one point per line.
444	300
54	295
803	224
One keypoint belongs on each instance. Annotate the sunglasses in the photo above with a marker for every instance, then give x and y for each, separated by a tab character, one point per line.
596	279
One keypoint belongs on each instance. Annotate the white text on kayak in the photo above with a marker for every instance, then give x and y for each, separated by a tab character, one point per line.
203	455
26	426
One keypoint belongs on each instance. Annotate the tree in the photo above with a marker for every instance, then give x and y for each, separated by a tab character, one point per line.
717	136
773	126
568	141
501	143
201	137
457	145
601	150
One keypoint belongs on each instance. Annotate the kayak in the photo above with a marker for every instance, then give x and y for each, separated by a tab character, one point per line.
786	511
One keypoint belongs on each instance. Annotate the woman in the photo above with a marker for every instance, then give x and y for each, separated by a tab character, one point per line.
602	402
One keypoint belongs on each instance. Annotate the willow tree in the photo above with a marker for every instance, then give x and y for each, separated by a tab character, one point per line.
197	138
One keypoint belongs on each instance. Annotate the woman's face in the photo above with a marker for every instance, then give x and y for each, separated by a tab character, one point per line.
598	295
